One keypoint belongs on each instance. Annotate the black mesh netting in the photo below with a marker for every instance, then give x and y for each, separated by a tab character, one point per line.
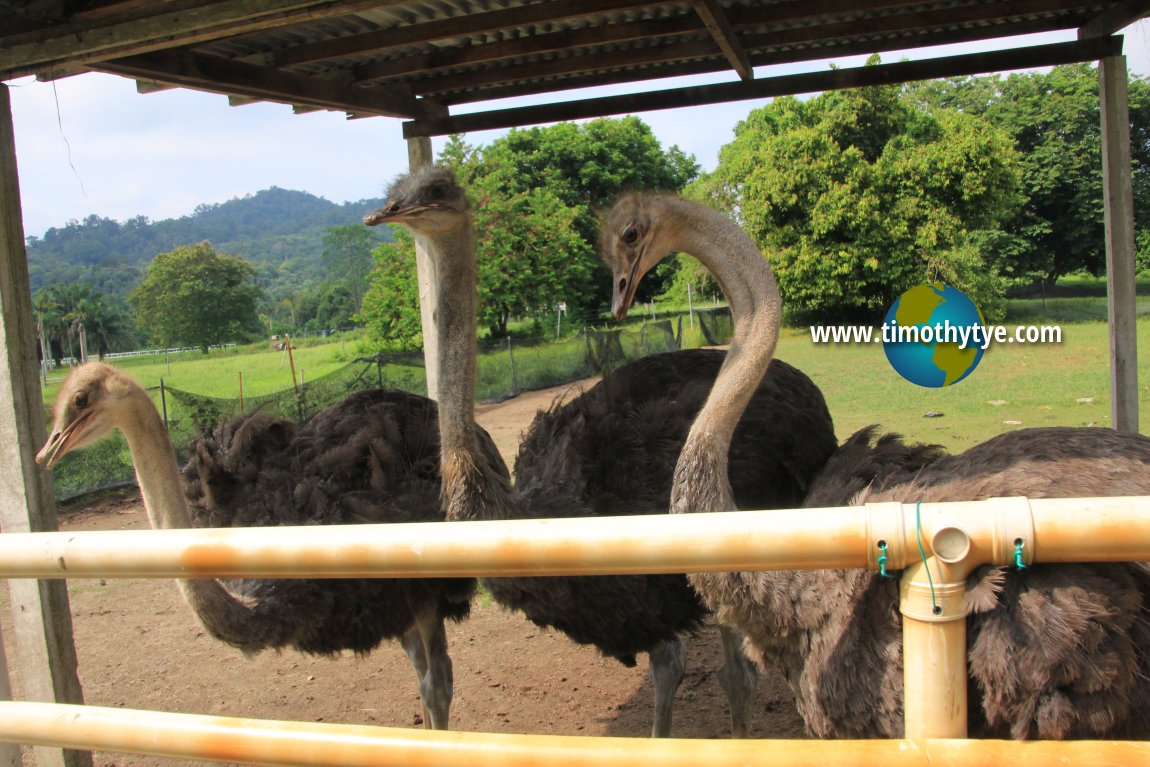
505	369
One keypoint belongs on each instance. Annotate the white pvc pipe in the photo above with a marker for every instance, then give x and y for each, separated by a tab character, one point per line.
1063	530
310	744
678	543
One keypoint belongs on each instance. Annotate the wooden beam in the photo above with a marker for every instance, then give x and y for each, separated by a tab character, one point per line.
165	25
1115	18
237	78
724	35
882	74
467	24
41	618
1118	199
144	87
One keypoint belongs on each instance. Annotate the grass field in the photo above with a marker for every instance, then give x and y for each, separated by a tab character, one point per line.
1015	385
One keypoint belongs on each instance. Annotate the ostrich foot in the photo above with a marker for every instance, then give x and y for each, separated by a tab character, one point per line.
737	678
668	664
426	646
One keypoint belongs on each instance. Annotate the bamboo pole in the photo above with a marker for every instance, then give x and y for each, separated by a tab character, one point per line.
262	742
1051	530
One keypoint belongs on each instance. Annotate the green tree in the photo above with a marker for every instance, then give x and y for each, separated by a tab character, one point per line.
1053	118
347	253
532	256
856	196
67	311
335	309
536	196
583	167
391	304
195	296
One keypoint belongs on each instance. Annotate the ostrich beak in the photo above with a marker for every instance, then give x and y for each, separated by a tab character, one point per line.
624	293
61	442
394	212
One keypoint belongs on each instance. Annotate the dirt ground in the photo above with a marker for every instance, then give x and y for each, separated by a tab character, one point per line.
139	646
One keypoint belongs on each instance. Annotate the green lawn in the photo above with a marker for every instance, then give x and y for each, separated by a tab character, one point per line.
1014	386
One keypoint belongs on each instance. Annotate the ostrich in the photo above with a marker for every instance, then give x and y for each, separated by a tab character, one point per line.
1056	651
568	464
371	458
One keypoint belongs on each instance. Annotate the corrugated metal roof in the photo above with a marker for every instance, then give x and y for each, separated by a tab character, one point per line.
420	58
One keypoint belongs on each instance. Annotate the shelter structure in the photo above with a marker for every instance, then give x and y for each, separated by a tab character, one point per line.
444	66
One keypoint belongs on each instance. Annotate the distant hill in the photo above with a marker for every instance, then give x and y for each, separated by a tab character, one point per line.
279	231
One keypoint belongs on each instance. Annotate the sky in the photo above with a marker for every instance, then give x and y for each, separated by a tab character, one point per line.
90	144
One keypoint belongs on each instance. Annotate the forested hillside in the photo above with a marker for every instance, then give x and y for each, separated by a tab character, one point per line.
279	231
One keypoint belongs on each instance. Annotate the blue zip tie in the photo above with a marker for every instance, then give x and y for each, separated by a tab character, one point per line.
882	558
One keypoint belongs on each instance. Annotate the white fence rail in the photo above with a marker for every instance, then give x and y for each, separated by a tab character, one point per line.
949	539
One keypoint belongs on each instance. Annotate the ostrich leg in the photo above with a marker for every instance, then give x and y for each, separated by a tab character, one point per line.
738	678
668	664
426	647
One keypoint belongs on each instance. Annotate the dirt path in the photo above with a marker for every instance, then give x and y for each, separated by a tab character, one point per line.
140	647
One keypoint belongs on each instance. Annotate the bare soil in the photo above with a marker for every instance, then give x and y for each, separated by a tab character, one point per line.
139	646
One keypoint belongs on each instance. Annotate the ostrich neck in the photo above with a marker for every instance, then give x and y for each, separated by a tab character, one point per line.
453	264
701	482
157	471
473	486
158	475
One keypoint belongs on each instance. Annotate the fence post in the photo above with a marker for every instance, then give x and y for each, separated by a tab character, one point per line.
514	378
164	403
9	752
589	356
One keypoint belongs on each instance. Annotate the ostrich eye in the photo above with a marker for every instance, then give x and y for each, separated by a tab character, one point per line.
438	191
630	235
81	400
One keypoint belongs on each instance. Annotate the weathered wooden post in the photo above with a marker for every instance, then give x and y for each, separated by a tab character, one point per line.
41	616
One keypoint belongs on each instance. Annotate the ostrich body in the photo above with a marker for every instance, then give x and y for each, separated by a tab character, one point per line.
372	458
568	464
1056	651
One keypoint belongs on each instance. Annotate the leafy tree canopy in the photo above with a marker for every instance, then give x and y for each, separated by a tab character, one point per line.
856	196
391	303
1053	118
64	312
536	196
197	297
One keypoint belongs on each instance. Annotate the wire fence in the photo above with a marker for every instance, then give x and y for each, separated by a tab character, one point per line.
506	368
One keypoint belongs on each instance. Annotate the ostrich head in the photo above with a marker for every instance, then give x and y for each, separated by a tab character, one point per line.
637	234
87	409
427	201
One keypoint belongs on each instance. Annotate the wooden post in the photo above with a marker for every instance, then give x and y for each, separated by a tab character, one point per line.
9	752
1118	194
40	613
419	155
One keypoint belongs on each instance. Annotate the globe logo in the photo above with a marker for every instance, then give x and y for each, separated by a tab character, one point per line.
923	335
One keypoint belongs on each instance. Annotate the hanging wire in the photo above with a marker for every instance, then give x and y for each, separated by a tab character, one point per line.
922	552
